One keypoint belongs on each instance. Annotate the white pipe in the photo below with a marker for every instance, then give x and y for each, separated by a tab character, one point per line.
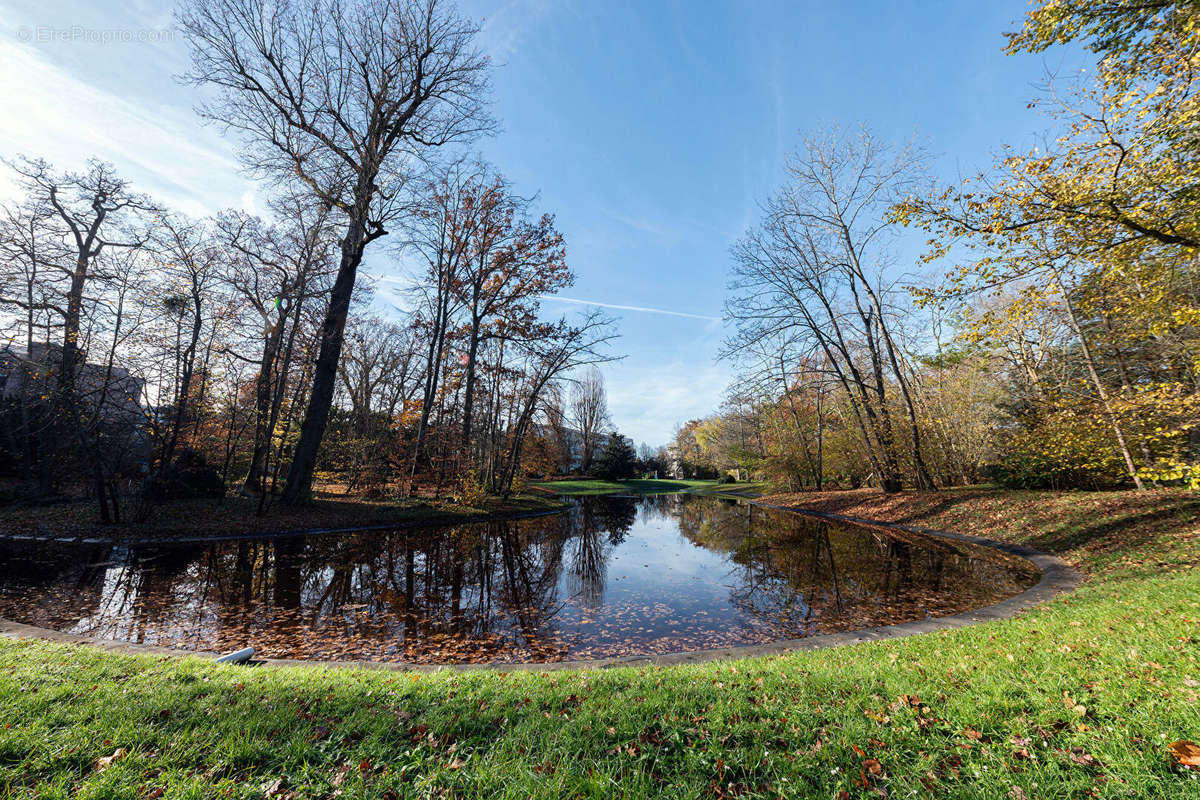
237	656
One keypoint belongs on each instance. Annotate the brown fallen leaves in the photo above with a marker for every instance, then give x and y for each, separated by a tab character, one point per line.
104	762
1185	754
276	790
1077	755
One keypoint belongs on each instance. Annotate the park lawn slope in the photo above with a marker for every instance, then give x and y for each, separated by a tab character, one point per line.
584	486
631	486
1079	698
1098	532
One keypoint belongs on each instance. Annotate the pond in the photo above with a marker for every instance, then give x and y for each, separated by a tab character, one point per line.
613	576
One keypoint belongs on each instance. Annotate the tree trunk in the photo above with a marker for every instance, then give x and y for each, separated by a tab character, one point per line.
297	490
1109	414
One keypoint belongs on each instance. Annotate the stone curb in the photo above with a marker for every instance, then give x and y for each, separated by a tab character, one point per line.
1057	578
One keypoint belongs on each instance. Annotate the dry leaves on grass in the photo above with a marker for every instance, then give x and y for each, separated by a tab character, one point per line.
105	762
1185	754
1077	755
276	790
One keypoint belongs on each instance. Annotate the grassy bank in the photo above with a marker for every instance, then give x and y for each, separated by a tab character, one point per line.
236	514
644	486
1080	698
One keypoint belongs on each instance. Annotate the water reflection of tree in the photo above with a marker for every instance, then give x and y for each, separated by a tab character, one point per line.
798	574
474	593
598	525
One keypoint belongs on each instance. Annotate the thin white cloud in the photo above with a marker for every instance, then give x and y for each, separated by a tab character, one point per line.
49	112
505	29
642	309
550	298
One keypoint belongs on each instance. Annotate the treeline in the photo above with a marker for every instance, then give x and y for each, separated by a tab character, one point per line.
1062	346
150	355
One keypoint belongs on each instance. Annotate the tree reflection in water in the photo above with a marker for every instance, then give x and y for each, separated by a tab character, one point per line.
612	576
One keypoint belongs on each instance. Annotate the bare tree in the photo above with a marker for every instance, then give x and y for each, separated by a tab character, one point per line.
380	377
69	224
85	213
274	271
816	268
589	414
438	231
344	97
561	349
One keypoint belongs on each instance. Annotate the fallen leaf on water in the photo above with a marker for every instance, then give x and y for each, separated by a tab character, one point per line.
1186	754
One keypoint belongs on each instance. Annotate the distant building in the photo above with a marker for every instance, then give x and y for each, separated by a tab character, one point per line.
572	442
33	376
673	465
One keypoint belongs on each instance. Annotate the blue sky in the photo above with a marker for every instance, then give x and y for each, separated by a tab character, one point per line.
651	130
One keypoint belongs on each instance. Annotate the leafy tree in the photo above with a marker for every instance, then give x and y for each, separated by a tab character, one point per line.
617	460
1096	237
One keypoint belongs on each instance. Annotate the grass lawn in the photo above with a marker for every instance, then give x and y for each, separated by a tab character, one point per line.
236	514
644	486
1079	698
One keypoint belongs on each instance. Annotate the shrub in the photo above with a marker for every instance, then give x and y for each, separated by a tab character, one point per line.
470	491
188	477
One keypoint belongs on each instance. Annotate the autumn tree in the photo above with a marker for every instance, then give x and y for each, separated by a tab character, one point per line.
512	262
1096	233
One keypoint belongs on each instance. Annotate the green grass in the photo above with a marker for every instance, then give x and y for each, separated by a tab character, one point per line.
632	486
1076	699
647	486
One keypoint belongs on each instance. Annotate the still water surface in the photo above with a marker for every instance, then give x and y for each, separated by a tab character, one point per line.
613	576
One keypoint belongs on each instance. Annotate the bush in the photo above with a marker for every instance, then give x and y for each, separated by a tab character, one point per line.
727	478
470	491
189	477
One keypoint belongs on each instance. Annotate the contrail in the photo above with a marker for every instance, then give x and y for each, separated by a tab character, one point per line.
643	309
577	301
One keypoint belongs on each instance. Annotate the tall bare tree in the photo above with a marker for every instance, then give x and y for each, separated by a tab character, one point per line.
343	97
274	271
589	414
818	266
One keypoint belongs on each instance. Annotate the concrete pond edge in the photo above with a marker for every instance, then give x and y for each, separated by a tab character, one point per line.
1057	577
